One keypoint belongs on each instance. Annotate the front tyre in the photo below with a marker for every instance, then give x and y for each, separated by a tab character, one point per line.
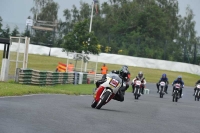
136	93
161	93
176	97
136	96
103	99
94	104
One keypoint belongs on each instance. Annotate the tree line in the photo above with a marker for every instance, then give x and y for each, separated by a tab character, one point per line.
141	28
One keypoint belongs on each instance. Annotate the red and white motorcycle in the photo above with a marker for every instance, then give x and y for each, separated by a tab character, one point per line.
137	91
106	91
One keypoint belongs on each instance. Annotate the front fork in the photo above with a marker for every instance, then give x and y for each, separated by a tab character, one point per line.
99	93
137	88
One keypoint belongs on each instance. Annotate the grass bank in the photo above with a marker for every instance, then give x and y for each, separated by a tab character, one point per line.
15	89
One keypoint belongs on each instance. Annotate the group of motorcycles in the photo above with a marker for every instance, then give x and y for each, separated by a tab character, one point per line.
176	94
110	87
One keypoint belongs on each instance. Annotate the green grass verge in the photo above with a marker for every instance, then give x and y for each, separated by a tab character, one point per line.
15	89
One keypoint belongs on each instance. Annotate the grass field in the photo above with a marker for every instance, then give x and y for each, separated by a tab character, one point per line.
49	63
14	89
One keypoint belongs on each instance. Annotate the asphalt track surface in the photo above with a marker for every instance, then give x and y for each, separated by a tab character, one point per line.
73	114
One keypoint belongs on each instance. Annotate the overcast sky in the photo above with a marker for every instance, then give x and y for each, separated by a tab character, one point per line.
15	12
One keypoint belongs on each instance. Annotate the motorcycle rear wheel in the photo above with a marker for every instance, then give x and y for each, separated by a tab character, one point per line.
103	100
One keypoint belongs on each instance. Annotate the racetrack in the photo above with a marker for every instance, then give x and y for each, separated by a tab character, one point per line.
73	114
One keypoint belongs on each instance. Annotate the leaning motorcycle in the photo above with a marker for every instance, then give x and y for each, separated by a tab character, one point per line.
137	90
197	93
176	92
106	91
162	86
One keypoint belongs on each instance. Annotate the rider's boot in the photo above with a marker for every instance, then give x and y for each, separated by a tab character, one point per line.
157	87
142	90
181	93
119	96
133	89
166	90
194	92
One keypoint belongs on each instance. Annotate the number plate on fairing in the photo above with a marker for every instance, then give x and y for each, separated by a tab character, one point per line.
114	82
162	83
138	82
177	86
198	86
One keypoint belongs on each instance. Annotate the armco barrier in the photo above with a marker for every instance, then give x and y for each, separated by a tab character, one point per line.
35	77
76	78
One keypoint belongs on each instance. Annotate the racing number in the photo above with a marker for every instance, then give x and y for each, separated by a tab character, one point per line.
114	82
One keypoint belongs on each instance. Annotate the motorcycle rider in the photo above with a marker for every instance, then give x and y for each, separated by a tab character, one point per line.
124	74
164	79
198	82
179	81
140	77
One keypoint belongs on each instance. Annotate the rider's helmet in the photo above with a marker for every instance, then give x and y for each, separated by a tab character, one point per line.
164	75
179	78
124	71
140	74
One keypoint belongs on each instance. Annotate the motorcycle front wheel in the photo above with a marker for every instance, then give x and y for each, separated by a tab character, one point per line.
103	99
161	93
136	96
176	97
94	104
136	93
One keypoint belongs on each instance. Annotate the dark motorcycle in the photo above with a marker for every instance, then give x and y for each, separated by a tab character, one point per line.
197	93
176	92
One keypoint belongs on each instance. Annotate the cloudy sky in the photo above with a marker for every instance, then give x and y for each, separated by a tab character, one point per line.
15	12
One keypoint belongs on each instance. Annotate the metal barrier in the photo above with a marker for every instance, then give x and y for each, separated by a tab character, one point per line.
36	77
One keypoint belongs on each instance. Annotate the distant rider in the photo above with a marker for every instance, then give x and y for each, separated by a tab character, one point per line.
140	77
179	81
163	79
198	82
